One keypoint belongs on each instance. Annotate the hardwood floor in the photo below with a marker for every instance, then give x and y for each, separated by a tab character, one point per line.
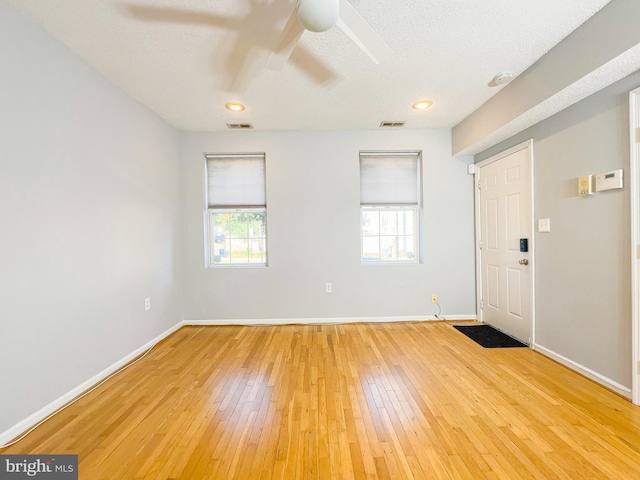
388	401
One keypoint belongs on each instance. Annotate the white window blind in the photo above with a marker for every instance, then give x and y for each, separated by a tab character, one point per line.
389	179
236	180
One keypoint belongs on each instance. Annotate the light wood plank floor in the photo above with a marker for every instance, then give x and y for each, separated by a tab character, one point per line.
389	401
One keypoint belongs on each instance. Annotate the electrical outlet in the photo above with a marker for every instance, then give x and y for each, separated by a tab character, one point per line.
328	288
147	304
434	298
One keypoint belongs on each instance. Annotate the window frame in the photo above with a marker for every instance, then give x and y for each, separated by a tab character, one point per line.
211	236
416	234
415	207
210	210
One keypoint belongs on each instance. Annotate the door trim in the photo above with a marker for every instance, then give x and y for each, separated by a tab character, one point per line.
634	174
521	146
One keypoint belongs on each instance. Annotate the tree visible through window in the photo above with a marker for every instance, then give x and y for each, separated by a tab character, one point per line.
239	237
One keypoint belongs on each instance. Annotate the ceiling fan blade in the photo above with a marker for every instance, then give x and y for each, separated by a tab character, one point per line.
313	68
175	15
247	69
358	30
292	32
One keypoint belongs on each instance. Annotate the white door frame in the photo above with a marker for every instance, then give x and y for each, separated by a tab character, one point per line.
527	144
634	123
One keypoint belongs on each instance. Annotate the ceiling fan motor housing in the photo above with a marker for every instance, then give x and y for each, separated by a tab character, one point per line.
318	15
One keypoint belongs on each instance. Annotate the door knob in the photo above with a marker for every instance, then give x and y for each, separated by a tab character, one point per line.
523	261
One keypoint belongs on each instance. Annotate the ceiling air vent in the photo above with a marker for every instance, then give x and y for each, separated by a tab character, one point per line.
392	124
239	126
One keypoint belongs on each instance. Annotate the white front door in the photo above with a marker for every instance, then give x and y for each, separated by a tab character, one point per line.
505	218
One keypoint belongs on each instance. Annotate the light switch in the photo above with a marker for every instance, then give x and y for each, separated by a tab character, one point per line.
544	225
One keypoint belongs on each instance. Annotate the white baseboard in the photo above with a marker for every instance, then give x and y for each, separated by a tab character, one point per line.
323	321
587	372
47	410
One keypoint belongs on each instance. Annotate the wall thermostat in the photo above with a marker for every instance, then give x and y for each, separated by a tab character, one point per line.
609	181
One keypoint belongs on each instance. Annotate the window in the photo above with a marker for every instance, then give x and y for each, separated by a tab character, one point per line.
237	210
390	196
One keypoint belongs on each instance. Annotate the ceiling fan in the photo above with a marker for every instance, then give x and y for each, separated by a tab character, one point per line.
258	28
320	16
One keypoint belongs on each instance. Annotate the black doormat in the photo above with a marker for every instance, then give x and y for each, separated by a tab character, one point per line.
488	337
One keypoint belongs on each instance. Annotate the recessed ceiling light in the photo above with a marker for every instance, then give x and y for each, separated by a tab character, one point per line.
422	105
234	107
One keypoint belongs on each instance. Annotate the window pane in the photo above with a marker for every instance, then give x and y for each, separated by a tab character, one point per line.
388	248
406	222
256	225
238	225
219	244
221	226
370	222
239	250
406	248
221	253
388	222
371	248
257	250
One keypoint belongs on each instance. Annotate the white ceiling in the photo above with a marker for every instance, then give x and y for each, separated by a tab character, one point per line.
180	58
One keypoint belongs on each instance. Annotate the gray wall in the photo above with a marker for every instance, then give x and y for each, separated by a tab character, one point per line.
314	231
583	286
89	202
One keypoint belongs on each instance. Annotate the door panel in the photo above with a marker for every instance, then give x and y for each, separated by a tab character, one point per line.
514	289
491	181
505	218
492	224
493	289
513	222
513	174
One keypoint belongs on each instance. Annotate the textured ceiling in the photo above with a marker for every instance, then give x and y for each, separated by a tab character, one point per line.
182	58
